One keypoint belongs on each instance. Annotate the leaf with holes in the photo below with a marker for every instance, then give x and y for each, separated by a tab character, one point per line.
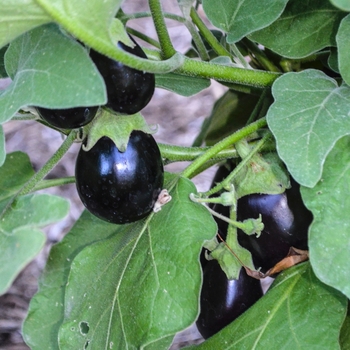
46	311
310	113
139	271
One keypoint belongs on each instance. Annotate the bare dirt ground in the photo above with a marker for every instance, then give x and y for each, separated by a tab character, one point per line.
179	120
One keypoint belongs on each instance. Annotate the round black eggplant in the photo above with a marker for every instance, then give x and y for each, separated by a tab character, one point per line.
120	187
223	300
69	118
286	222
128	90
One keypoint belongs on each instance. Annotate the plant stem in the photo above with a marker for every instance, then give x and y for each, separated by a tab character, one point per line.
203	54
239	57
228	74
144	37
181	154
223	144
54	182
260	56
32	183
162	31
208	35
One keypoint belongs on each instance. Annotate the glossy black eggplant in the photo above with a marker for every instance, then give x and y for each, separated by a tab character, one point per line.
128	90
69	118
120	187
286	222
223	300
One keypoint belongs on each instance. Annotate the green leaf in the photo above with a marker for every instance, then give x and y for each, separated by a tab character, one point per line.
49	70
180	84
304	28
298	312
18	17
20	240
16	171
342	4
46	311
310	113
117	127
264	173
92	23
17	250
239	18
92	18
343	41
149	276
330	231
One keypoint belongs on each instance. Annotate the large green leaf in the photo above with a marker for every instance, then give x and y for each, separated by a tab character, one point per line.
18	17
141	286
343	41
310	113
20	238
93	22
49	70
16	171
304	28
46	309
239	18
298	312
329	236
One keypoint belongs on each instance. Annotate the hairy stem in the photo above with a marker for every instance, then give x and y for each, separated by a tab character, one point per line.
162	31
208	35
223	144
228	74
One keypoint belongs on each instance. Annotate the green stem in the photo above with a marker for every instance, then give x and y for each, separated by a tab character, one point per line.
181	154
138	15
162	31
227	73
143	37
257	107
54	182
239	57
208	35
203	53
33	182
260	56
39	176
223	144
